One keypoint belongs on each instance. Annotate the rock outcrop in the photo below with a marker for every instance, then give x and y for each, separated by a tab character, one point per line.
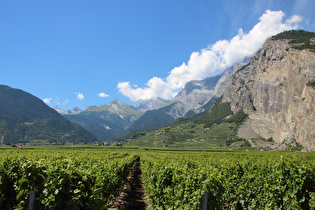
275	89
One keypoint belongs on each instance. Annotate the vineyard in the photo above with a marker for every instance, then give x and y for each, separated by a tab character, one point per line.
92	177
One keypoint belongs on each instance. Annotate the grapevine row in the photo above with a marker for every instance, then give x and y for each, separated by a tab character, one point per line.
232	181
62	180
91	178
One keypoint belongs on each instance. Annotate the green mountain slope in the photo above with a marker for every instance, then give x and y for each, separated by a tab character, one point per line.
25	118
215	128
154	118
107	120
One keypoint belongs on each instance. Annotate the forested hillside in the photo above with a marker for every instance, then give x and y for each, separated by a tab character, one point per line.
25	118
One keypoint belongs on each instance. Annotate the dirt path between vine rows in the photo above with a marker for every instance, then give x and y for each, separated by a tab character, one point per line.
132	195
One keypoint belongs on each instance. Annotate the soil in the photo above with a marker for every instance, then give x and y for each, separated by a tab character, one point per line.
132	195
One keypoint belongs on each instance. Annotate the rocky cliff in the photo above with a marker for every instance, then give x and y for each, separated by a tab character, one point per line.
276	89
198	93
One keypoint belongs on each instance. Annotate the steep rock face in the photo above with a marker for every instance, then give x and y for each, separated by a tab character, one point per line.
225	77
198	93
273	90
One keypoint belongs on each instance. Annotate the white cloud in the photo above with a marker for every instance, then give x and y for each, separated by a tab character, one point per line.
80	96
47	100
213	59
155	87
102	95
243	45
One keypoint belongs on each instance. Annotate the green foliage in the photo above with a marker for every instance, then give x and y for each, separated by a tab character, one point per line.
90	177
299	36
238	117
138	134
232	180
132	134
216	114
190	113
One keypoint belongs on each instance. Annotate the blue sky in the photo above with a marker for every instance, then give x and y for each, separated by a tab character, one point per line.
80	53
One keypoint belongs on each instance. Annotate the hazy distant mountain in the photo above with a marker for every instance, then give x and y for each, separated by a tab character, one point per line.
75	110
150	104
25	118
107	120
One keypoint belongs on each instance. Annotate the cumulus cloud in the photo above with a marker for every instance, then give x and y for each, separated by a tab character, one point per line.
213	59
102	95
80	96
155	87
47	100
